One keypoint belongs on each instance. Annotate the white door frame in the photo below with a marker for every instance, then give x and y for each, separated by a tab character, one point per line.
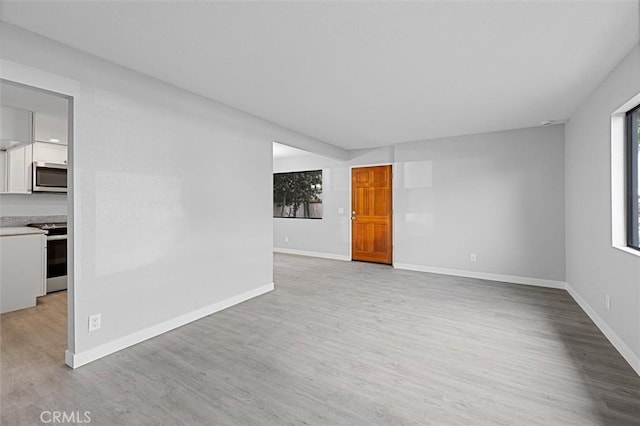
60	86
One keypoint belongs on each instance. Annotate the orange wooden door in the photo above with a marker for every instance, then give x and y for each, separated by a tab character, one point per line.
371	214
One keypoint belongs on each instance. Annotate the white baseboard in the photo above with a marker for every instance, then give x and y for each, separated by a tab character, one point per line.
615	340
75	360
312	254
483	275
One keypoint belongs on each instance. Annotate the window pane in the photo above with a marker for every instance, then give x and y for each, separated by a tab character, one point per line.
633	176
298	194
636	132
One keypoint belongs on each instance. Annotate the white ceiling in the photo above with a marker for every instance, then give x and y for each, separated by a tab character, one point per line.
361	74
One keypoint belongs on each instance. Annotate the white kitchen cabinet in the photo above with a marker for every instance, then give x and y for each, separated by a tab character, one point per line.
49	153
22	276
15	126
51	128
3	171
18	169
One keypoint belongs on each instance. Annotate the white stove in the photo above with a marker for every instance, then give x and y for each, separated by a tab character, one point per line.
56	254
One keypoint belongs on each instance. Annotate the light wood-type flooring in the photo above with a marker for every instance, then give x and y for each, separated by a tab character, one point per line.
337	343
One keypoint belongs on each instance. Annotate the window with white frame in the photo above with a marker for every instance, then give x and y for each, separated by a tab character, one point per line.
632	142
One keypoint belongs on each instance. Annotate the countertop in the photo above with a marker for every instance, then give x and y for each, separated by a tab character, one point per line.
14	221
20	230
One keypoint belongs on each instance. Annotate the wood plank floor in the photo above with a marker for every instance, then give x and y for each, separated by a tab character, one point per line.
338	343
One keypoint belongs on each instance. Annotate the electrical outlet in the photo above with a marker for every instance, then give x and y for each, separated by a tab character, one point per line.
607	301
95	322
473	257
286	239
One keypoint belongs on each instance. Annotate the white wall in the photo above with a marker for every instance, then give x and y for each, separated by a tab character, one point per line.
33	205
499	195
594	267
171	195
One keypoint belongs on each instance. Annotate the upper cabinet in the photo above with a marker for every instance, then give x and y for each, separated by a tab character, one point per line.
49	153
51	128
16	168
16	126
16	151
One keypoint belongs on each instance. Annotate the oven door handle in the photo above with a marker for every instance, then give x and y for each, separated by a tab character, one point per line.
56	237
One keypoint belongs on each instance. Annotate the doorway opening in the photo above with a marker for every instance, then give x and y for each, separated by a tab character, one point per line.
36	252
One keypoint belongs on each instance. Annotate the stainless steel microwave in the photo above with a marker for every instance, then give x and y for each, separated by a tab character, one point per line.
49	177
